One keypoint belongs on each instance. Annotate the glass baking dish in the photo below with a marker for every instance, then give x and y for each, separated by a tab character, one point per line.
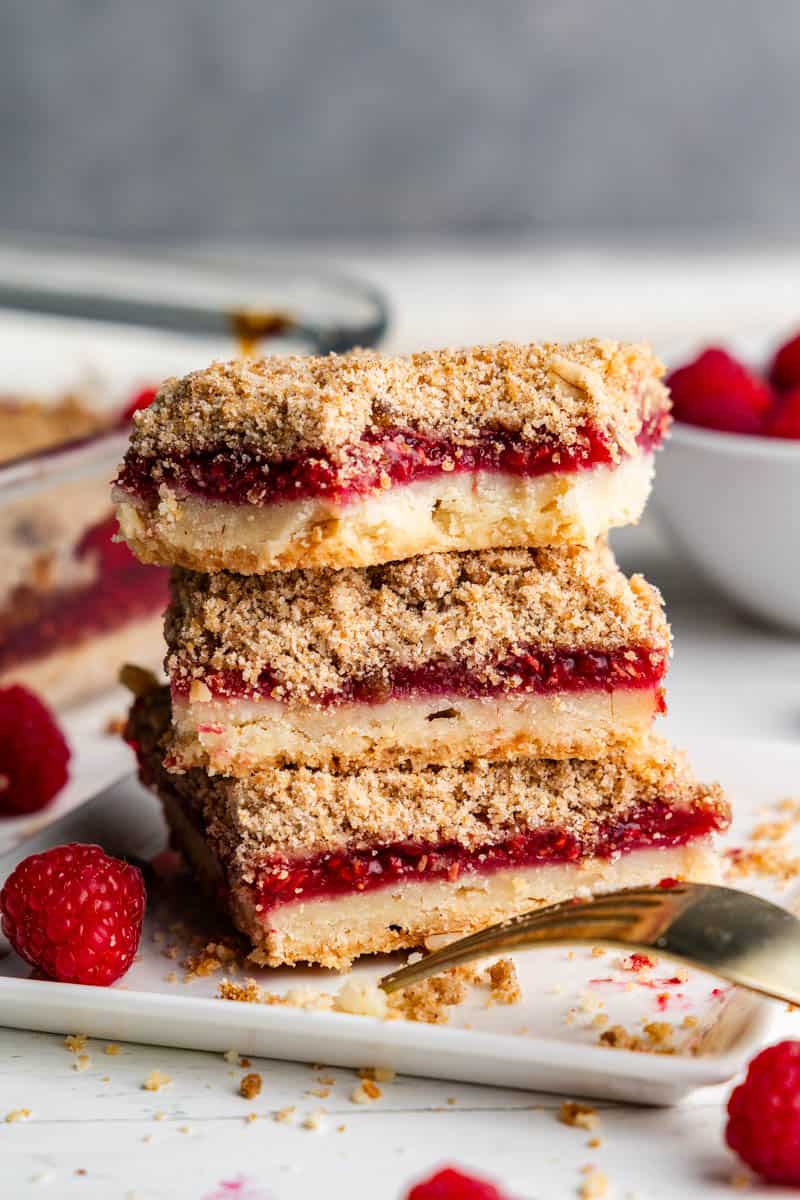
74	604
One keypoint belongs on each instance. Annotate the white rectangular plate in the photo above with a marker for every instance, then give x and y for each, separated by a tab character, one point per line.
547	1042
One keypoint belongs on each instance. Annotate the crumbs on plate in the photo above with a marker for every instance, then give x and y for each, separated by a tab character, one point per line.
155	1081
503	981
428	1001
580	1116
250	1085
594	1185
657	1039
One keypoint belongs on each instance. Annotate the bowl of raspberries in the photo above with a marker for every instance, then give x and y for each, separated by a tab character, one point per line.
729	480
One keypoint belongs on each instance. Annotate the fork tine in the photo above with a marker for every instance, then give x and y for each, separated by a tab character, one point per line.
615	904
571	920
648	892
612	917
560	922
639	900
613	900
587	917
496	940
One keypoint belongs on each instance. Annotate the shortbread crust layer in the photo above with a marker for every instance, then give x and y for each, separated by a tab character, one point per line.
287	843
473	511
232	737
437	659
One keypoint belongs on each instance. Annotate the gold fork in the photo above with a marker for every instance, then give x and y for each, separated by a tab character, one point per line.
740	937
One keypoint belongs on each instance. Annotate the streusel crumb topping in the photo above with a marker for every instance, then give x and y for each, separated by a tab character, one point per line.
315	630
302	811
282	406
29	426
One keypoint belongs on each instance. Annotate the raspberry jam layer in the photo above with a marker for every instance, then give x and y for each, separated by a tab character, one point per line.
36	623
392	458
541	671
337	874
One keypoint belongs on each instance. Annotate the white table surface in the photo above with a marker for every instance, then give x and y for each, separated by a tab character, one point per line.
94	1133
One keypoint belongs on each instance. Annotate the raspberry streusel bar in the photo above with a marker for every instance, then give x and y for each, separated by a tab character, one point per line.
441	658
73	604
363	459
321	866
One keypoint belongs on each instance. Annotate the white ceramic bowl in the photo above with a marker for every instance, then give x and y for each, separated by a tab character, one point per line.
732	503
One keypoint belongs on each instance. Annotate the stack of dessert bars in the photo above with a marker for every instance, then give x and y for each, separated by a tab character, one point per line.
410	690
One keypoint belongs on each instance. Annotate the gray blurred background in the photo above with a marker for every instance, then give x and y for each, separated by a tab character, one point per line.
284	119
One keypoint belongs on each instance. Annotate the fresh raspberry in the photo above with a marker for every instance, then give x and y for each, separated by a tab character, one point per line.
33	753
764	1114
718	392
99	540
452	1184
75	913
784	421
784	370
142	399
